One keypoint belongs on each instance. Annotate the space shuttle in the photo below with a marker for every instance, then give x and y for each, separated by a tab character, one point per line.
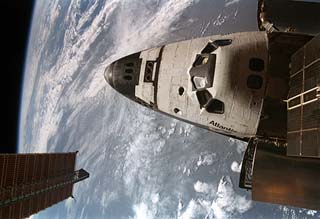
262	87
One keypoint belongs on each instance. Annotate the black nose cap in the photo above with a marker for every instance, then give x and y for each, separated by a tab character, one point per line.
123	74
108	75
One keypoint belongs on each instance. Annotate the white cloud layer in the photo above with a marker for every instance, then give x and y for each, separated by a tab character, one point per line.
236	167
206	159
241	146
231	2
203	187
142	211
155	198
192	211
311	212
226	202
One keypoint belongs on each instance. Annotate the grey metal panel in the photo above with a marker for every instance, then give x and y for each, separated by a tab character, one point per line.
295	85
311	143
285	180
294	142
311	116
311	79
304	120
273	122
294	117
297	62
312	49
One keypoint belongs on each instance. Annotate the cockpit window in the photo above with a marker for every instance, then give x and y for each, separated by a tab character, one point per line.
199	82
210	47
210	104
204	97
202	75
201	60
215	106
222	42
202	72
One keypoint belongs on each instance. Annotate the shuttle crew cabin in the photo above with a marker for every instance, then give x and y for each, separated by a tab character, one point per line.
216	82
229	84
262	87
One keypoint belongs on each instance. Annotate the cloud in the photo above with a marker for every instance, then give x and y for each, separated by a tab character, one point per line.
149	32
203	187
53	81
231	2
142	211
236	167
241	145
207	159
193	211
311	212
68	203
225	204
155	198
104	200
228	201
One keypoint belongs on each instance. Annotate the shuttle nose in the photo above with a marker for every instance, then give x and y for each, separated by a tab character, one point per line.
123	74
108	75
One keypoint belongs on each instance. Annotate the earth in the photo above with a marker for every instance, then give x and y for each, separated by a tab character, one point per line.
142	164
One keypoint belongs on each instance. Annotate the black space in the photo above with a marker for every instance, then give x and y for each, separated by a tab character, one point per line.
15	24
